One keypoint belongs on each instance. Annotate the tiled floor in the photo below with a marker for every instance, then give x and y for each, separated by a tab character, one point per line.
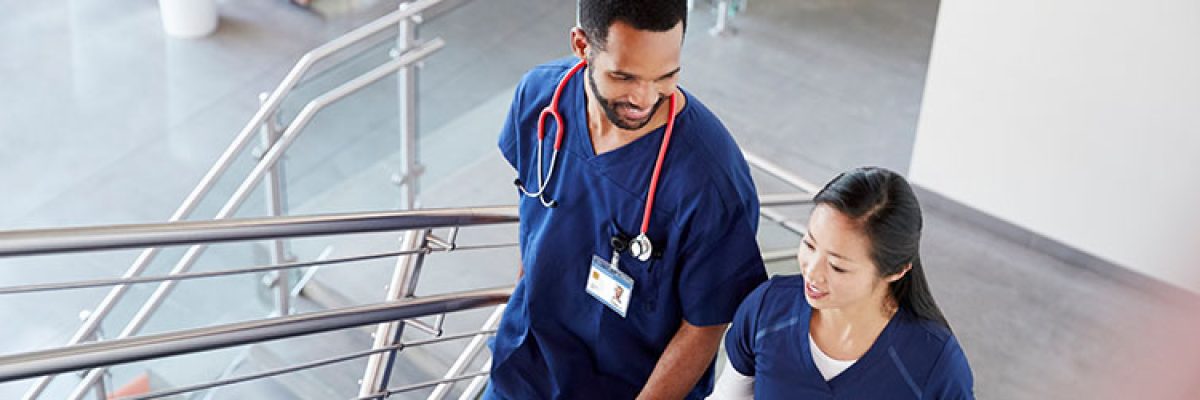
107	121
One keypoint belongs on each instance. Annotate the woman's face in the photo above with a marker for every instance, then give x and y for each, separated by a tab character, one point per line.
835	259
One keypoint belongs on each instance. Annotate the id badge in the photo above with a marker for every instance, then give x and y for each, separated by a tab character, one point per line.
612	287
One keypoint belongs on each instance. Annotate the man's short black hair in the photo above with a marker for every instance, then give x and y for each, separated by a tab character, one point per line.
596	16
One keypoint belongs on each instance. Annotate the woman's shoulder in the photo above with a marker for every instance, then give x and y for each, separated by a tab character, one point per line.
932	355
919	336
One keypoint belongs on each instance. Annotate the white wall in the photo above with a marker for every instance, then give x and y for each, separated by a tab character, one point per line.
1076	119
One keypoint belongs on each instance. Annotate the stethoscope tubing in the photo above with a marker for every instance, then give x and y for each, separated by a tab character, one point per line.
544	179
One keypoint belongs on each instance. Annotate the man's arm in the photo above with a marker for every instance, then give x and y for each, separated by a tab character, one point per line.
684	361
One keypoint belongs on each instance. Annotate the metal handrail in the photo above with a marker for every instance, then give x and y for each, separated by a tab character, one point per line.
781	173
61	240
92	355
47	287
260	170
302	366
468	355
43	241
407	388
269	108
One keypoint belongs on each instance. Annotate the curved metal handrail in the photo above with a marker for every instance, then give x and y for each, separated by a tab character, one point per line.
98	354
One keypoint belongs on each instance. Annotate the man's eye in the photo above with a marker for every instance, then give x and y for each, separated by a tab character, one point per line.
836	269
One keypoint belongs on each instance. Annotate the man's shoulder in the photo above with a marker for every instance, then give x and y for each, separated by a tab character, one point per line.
712	159
706	133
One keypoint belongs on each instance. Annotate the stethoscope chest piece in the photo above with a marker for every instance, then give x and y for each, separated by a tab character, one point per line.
641	248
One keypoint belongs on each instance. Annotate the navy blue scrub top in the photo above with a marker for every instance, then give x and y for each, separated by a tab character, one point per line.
912	358
555	340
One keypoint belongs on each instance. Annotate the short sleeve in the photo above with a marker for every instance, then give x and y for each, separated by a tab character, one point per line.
510	132
719	268
951	377
739	340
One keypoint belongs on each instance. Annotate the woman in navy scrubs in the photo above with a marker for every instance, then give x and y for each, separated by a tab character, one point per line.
859	321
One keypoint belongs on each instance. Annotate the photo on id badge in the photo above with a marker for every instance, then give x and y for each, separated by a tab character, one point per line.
610	286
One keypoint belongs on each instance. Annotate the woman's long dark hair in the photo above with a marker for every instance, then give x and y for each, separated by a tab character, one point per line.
884	205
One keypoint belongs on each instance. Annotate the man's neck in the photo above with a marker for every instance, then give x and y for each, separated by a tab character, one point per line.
607	136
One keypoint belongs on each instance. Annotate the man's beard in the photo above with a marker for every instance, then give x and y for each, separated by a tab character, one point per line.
610	107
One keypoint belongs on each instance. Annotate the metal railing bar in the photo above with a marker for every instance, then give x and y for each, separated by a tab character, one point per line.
240	358
477	385
448	338
298	367
239	196
779	255
92	323
60	240
212	274
402	284
143	315
90	355
468	354
308	112
260	375
453	237
783	221
268	109
195	275
423	327
310	273
779	172
135	324
784	199
415	386
478	247
439	242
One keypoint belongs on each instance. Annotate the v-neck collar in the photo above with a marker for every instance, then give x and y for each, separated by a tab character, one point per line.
873	355
635	150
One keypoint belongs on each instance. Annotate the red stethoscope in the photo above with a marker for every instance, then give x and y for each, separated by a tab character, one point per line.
640	247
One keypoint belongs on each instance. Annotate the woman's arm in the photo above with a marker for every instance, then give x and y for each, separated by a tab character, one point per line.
732	385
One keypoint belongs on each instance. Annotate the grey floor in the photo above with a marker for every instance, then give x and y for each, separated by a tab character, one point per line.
107	121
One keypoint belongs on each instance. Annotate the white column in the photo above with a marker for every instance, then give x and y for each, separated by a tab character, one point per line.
1075	119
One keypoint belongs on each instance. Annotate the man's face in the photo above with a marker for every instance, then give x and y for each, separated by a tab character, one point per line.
635	73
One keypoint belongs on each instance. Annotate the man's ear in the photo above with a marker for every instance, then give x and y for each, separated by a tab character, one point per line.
579	43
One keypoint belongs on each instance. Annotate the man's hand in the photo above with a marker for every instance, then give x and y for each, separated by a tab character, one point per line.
684	361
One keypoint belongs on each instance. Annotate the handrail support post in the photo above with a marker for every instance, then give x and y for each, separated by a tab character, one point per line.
403	285
276	198
406	86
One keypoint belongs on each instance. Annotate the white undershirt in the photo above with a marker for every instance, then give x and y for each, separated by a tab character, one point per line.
828	366
732	385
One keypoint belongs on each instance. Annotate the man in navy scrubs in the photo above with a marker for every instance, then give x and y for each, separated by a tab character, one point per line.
596	312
